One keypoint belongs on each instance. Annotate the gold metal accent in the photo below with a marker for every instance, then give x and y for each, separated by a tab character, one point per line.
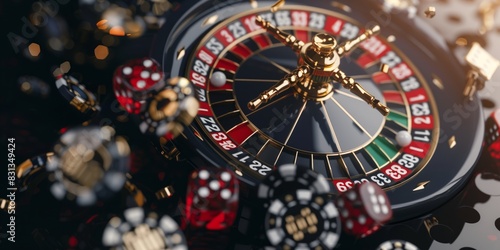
278	156
348	95
181	53
136	193
254	80
143	237
330	126
452	142
437	81
347	46
291	79
158	112
164	193
65	67
238	172
483	66
197	133
295	123
5	205
384	68
430	222
461	41
482	61
352	118
421	186
254	4
85	166
304	223
270	103
359	163
276	6
274	64
341	6
430	12
487	12
318	65
168	149
228	114
210	20
285	38
22	168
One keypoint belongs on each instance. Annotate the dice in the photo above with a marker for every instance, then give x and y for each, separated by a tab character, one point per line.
492	136
212	199
363	209
135	81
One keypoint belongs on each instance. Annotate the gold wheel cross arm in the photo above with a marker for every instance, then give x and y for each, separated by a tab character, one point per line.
285	38
347	46
318	66
355	88
284	84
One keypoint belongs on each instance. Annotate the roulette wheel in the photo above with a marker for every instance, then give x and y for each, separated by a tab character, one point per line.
326	128
337	93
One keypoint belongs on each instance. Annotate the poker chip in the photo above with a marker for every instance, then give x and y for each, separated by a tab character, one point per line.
89	163
27	170
290	177
138	230
76	94
397	245
408	7
302	220
170	110
33	86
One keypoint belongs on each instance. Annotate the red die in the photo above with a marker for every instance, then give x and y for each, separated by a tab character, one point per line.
363	209
492	136
134	82
212	199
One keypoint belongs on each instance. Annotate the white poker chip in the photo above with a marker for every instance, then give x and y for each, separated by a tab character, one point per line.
89	164
290	177
397	245
302	220
138	230
409	7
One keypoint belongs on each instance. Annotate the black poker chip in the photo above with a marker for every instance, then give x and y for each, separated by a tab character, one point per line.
89	164
170	109
77	95
302	220
290	177
30	172
137	229
397	245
